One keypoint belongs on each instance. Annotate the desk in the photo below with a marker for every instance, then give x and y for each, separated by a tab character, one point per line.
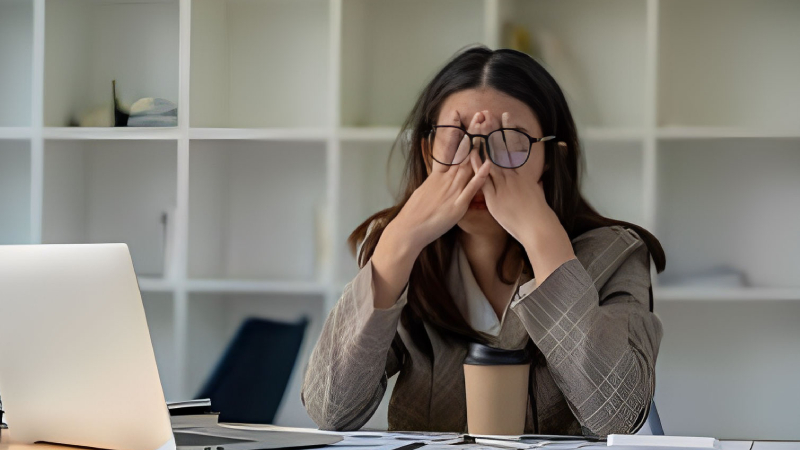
726	445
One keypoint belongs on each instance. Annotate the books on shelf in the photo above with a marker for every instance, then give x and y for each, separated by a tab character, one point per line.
192	413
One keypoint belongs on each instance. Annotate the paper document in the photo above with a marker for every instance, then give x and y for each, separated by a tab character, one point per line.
642	440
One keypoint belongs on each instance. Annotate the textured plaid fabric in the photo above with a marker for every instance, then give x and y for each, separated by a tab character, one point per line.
595	339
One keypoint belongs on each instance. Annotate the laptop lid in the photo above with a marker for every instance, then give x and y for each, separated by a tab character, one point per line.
76	362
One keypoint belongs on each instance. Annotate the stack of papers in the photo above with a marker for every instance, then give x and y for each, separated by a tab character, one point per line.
360	440
192	414
398	440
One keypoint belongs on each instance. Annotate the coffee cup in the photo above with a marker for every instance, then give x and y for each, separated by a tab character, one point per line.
496	383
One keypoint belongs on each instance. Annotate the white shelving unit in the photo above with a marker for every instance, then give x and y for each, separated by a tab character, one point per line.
688	110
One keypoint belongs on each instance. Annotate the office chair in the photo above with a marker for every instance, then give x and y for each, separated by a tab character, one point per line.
251	377
652	426
653	423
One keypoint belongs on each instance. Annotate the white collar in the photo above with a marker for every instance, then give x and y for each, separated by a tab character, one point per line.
469	297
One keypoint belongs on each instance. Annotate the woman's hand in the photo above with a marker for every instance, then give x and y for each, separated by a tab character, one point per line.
515	197
434	207
516	200
444	197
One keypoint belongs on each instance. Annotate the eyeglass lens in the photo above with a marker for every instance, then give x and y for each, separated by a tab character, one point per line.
507	148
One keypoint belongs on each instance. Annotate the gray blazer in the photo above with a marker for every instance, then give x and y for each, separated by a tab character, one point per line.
594	335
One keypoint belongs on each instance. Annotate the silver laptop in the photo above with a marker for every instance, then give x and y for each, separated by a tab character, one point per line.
76	362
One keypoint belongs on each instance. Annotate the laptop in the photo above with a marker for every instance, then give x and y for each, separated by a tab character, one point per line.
76	363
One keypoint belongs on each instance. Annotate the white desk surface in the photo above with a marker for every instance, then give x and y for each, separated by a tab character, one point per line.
726	445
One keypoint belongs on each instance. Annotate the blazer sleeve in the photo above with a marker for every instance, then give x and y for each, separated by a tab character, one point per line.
358	350
600	347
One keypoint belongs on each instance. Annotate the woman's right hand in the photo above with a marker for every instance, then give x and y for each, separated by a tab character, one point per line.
444	197
434	207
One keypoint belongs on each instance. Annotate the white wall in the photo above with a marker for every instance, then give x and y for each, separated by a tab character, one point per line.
729	369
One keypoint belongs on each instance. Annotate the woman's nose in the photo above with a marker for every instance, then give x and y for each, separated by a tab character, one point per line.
480	146
482	149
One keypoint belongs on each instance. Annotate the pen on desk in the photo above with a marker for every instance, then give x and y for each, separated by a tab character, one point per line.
412	446
559	437
549	437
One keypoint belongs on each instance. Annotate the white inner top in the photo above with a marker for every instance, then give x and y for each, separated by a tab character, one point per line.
470	299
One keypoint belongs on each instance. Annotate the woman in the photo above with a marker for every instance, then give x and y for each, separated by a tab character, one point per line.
492	242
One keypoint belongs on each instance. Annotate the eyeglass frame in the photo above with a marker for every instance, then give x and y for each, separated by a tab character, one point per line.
532	140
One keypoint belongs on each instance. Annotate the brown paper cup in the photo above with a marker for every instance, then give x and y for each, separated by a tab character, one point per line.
496	384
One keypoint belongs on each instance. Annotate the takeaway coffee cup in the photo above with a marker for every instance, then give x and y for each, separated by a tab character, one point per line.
496	382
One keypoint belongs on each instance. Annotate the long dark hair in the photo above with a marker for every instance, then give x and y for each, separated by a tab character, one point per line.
520	76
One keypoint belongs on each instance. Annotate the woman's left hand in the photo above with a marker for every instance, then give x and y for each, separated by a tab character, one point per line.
515	197
516	200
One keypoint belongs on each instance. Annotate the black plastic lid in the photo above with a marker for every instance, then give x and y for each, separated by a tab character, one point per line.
483	355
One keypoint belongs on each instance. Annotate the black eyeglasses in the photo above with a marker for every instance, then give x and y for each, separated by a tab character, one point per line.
507	147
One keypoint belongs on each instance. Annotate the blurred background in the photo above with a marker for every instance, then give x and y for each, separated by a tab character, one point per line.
252	136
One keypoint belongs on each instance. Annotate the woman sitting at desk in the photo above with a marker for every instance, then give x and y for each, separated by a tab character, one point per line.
482	211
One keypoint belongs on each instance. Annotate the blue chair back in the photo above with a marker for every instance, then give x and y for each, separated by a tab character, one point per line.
653	423
250	379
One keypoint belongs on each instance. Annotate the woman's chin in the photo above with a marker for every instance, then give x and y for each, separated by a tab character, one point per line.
478	210
477	219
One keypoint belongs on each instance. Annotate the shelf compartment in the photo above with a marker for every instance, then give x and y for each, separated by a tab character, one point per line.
113	191
613	181
255	210
159	310
16	54
379	38
365	188
15	192
213	321
596	51
713	349
89	43
243	73
712	60
729	204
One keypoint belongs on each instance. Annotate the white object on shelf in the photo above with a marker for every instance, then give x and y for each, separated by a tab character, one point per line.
642	440
153	112
101	116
